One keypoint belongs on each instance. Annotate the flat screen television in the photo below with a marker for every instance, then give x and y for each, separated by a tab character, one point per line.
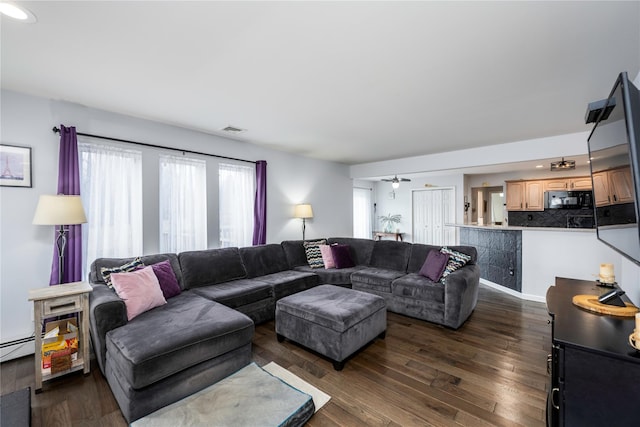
615	169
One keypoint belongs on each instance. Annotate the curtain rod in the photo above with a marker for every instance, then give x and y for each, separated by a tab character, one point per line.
144	144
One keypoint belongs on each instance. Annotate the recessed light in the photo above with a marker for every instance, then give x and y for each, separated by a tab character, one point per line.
18	13
539	166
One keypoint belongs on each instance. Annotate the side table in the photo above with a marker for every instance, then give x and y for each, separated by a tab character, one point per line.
58	300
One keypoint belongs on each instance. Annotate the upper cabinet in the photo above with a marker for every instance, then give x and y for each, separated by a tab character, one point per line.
525	195
613	187
568	184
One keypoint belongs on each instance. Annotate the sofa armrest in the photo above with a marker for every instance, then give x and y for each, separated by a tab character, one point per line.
106	312
461	295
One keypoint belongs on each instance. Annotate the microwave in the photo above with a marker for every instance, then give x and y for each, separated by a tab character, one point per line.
568	200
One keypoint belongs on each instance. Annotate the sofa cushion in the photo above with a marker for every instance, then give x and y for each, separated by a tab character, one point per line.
332	276
184	332
96	266
263	259
360	249
167	279
390	255
295	253
211	266
419	255
434	265
139	290
416	286
127	267
341	256
376	279
314	256
327	256
457	260
289	282
237	293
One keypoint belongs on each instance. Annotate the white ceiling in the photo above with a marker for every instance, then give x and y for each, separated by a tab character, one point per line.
351	82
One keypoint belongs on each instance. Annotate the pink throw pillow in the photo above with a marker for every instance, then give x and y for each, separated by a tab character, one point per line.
327	256
139	289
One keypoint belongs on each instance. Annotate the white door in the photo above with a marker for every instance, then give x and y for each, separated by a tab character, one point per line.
432	209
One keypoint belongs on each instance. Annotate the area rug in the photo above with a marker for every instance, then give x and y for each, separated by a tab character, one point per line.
250	397
320	398
15	408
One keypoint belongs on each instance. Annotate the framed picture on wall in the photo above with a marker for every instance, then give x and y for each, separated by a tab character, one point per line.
15	166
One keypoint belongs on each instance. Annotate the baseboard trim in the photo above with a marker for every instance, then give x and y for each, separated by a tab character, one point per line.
511	292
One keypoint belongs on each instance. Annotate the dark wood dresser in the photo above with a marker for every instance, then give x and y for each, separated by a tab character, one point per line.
595	373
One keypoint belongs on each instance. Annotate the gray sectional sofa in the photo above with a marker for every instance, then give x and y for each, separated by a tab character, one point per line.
204	334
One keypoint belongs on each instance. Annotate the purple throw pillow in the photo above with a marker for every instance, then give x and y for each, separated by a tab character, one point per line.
166	277
434	265
342	256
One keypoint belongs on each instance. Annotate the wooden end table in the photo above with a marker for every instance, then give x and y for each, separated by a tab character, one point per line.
59	300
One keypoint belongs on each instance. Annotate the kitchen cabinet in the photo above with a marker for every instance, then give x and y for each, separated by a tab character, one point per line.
515	196
568	184
601	188
525	195
580	183
620	185
613	187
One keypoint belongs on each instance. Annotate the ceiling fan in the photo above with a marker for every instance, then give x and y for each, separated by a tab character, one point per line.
395	181
563	165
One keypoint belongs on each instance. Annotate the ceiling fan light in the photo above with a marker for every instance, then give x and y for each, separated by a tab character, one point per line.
395	184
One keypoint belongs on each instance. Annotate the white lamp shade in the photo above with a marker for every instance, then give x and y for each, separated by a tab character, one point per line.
303	211
59	210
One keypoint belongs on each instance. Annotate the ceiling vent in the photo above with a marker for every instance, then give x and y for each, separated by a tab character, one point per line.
563	165
233	129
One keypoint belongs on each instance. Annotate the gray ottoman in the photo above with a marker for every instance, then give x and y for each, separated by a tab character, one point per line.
334	321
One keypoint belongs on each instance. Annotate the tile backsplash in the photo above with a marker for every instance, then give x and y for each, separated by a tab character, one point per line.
560	218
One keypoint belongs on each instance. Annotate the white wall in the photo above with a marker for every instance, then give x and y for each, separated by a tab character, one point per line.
26	250
578	254
533	149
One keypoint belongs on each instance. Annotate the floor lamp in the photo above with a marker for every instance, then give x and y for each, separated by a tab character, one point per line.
60	210
303	211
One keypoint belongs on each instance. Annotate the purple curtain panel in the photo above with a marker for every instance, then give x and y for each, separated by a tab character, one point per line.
260	205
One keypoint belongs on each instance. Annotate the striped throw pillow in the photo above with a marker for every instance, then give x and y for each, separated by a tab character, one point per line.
125	268
457	260
314	255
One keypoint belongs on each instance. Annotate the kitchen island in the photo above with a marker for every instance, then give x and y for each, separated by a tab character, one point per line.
524	261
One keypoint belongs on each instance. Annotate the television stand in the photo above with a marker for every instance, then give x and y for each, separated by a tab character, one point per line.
595	373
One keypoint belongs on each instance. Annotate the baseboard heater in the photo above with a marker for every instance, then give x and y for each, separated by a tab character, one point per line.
17	348
16	342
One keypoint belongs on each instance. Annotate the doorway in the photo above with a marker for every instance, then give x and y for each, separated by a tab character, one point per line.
432	210
487	205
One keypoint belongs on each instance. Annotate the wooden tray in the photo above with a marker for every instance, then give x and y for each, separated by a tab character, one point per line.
590	302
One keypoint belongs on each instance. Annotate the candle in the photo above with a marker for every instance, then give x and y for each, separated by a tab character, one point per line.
606	273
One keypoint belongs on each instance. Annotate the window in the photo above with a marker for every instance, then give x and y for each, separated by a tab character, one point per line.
183	204
237	194
362	213
111	191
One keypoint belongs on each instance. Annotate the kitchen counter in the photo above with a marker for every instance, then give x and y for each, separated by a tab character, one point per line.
509	227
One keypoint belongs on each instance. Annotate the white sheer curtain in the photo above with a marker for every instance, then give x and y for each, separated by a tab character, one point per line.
362	213
111	191
237	194
183	204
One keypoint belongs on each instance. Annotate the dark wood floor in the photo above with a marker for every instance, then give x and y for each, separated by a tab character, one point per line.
490	372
